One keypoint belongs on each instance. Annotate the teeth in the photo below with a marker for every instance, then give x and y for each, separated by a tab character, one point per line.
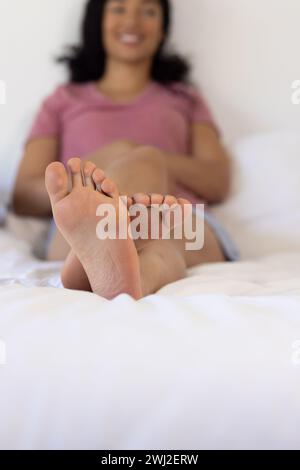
130	38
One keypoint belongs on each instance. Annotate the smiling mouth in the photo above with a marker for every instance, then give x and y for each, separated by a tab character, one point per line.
130	39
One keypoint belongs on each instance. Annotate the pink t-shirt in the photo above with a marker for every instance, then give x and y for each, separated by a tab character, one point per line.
84	120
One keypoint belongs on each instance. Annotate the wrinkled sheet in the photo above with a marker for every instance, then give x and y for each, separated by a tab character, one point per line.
211	361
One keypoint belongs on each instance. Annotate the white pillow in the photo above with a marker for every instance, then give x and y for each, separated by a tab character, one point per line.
263	212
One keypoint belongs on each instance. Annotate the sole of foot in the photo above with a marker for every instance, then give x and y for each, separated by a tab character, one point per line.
112	265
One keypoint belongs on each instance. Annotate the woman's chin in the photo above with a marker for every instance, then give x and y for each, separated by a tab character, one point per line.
131	53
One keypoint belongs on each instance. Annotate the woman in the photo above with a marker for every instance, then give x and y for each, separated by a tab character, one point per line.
141	131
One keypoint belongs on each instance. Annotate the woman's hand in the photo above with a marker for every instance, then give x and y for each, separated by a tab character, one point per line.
30	197
207	172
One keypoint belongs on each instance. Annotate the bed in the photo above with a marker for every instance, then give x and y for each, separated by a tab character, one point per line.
212	361
209	362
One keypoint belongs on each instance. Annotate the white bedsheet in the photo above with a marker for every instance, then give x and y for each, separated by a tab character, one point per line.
212	361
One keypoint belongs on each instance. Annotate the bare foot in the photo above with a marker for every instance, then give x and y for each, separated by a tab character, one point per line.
168	202
73	275
165	225
111	265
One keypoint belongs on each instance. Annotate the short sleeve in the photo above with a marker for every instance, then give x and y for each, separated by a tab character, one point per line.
198	109
48	119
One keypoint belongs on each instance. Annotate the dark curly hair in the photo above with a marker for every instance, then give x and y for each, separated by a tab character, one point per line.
86	61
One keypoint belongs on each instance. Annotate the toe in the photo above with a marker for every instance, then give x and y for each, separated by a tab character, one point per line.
142	198
98	177
183	201
109	188
130	201
170	200
56	179
74	165
127	200
186	205
88	170
157	198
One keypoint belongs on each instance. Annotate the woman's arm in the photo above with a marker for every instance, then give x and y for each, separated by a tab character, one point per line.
208	172
30	197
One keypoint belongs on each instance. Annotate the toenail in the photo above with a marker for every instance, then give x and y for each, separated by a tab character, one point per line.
98	174
74	167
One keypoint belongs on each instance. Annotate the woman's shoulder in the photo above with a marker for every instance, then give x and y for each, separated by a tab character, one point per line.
183	90
187	95
191	100
66	93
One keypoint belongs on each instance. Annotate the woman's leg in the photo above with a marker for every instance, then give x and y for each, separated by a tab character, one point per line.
107	155
102	158
169	260
127	164
134	168
143	169
111	264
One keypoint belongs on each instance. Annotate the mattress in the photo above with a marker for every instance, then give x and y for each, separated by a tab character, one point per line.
211	361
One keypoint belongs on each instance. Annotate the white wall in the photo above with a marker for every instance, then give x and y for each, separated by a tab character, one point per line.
245	52
32	33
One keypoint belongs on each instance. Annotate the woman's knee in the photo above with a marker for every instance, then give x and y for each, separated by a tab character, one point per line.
130	150
143	155
151	155
123	146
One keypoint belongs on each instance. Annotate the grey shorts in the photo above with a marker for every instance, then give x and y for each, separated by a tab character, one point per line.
48	239
228	246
